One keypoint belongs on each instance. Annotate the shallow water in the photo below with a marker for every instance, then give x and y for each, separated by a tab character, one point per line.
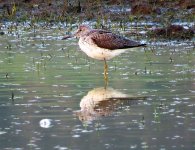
52	96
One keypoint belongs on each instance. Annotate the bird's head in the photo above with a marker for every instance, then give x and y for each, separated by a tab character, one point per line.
82	30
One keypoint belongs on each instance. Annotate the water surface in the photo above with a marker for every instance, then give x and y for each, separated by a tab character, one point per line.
149	102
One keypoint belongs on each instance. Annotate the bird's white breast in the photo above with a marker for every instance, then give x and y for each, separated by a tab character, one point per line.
93	51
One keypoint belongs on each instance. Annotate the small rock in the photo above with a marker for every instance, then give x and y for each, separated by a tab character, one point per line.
186	4
2	33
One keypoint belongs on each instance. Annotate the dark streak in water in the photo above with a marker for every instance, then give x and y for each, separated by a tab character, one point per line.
12	96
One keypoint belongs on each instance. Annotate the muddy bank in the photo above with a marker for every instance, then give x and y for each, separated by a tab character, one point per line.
172	32
104	14
57	10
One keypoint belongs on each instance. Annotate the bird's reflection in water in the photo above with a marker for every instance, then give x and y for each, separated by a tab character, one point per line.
102	101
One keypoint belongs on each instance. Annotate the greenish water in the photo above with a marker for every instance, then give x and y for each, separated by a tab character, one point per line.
149	102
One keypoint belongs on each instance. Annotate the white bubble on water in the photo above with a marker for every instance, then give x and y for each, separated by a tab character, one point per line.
45	123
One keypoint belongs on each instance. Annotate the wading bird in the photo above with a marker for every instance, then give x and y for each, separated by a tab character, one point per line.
101	44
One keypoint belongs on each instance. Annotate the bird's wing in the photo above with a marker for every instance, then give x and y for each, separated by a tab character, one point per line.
108	40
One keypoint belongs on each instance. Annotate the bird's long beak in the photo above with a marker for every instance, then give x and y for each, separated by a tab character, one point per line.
71	36
67	37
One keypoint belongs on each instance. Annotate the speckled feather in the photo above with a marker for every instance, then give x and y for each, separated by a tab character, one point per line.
111	41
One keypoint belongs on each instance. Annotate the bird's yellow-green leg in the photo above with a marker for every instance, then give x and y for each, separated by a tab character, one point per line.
105	71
